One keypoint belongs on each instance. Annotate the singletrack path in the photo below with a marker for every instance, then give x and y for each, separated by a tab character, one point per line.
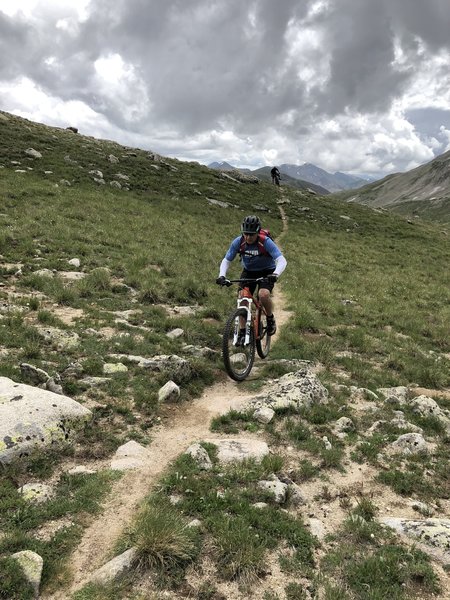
189	423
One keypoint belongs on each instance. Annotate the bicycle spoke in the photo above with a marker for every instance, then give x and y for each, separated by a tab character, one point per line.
238	359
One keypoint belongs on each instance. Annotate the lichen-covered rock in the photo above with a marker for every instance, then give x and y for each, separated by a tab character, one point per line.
35	493
175	333
397	394
59	338
32	565
33	375
343	426
431	532
175	366
113	368
410	443
427	407
32	418
300	389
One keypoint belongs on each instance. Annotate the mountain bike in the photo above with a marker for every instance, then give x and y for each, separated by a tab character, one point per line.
276	179
239	352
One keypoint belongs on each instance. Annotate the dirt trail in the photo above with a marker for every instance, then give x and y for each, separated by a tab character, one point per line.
190	423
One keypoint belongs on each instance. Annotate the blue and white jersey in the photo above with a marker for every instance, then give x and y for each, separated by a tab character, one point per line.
252	260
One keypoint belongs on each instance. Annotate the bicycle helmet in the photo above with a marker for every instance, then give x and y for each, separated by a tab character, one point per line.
251	224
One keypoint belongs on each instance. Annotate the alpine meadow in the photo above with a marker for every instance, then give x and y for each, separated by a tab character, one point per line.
132	467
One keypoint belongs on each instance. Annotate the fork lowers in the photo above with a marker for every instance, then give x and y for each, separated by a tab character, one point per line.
238	359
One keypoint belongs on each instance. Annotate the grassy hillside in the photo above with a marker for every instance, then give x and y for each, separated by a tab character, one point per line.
368	293
422	192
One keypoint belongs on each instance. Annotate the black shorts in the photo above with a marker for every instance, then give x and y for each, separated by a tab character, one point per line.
265	285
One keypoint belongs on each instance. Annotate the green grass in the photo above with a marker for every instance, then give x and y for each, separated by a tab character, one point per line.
366	304
370	563
13	584
76	496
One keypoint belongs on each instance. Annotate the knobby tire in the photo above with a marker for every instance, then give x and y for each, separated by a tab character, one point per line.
263	340
238	361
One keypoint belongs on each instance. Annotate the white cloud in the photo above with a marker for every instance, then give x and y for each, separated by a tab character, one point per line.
347	86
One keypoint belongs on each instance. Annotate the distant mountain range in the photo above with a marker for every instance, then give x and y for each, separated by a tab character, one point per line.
307	174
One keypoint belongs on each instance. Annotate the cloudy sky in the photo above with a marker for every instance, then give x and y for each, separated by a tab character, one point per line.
361	86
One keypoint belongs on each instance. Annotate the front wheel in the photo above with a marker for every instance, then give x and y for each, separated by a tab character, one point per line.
263	340
238	360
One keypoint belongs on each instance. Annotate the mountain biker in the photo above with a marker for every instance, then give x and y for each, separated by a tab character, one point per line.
261	257
276	175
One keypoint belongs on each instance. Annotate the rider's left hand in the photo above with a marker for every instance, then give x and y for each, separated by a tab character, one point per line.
272	278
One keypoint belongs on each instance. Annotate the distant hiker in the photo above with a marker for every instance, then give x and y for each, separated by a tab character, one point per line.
276	176
260	257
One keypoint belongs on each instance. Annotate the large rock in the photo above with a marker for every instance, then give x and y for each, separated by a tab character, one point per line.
434	533
174	366
229	451
60	339
296	390
410	443
33	418
395	395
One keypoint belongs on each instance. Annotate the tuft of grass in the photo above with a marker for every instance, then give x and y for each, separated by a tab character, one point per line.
392	572
233	422
241	551
163	539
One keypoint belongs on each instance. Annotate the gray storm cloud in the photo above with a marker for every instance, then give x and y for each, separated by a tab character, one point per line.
197	65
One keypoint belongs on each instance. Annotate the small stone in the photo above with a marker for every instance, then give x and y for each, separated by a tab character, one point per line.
170	392
113	368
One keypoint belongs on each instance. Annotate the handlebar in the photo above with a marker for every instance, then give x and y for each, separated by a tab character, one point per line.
259	279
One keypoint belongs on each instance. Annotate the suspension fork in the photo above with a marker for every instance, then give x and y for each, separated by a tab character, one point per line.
247	304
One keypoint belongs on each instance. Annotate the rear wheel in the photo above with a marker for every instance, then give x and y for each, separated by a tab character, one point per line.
238	360
263	341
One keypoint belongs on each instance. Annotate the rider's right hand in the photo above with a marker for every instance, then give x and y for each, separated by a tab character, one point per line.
221	280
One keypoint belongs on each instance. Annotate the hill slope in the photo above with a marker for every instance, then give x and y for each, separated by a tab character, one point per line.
423	191
367	314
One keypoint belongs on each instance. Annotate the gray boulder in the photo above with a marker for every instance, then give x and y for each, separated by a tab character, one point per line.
229	451
410	443
299	389
432	533
33	418
200	456
116	567
275	488
395	394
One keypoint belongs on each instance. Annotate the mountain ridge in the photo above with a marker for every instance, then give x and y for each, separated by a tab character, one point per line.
423	191
307	173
